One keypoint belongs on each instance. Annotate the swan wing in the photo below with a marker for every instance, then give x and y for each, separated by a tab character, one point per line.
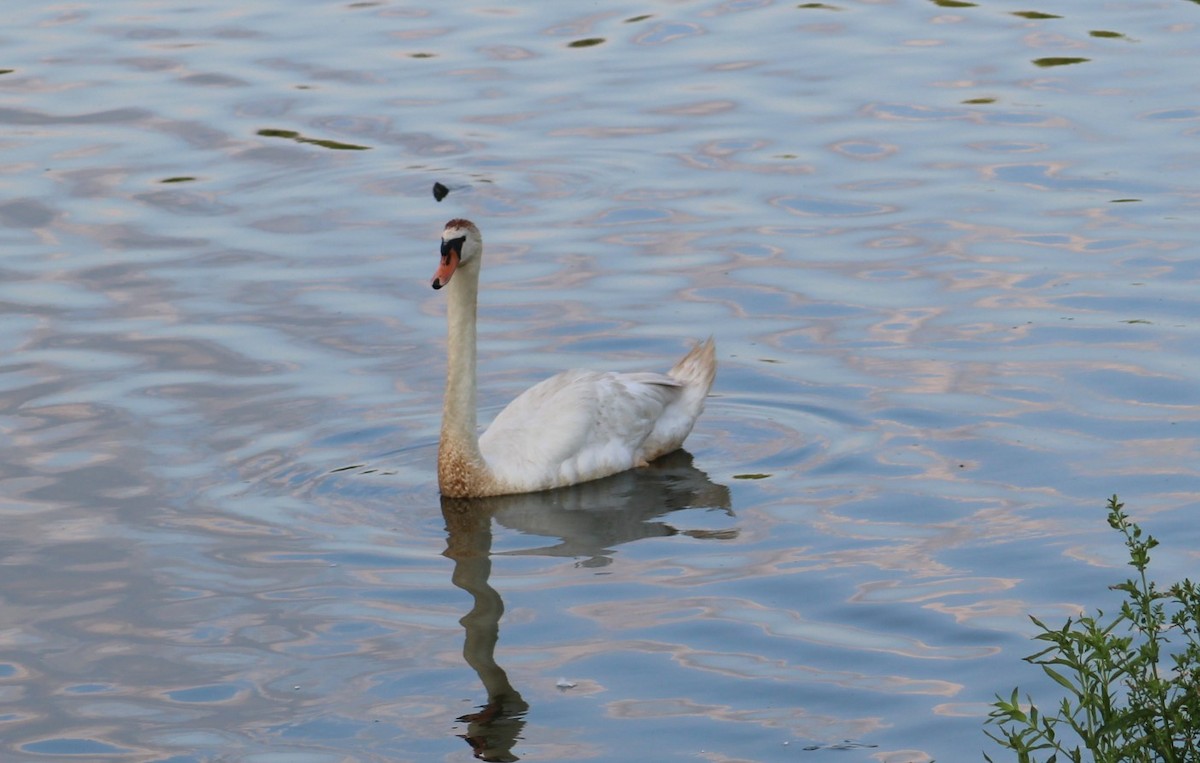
577	426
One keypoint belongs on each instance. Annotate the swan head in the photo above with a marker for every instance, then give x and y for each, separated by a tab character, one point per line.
461	245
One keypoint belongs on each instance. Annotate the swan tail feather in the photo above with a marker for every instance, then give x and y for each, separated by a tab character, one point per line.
697	370
695	373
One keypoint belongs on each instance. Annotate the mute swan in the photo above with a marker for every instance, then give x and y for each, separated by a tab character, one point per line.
573	427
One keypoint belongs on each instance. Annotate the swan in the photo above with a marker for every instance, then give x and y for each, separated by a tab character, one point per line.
573	427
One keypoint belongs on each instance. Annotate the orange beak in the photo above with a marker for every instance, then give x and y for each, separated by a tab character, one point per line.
445	271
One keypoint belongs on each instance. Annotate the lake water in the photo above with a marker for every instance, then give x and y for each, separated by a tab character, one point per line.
946	249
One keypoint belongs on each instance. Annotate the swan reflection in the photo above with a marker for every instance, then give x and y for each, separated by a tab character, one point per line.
589	521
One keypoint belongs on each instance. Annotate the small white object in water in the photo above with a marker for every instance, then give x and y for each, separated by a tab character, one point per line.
564	684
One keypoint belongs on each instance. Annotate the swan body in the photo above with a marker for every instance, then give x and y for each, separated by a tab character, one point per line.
574	427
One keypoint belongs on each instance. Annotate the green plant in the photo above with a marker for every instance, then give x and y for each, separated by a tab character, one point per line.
1132	682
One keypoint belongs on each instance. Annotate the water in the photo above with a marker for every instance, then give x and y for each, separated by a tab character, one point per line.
945	251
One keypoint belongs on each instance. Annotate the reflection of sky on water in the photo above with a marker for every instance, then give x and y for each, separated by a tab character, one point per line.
951	285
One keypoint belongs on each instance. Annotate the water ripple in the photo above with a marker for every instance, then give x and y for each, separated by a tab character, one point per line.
945	263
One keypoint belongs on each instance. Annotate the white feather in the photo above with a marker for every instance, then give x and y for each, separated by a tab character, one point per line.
577	424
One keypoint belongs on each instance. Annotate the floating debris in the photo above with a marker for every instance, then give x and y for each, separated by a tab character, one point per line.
439	191
731	534
293	135
1058	61
563	684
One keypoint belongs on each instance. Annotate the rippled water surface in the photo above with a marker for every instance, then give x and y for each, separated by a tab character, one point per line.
946	249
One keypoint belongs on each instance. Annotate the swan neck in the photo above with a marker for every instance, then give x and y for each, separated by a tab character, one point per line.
459	411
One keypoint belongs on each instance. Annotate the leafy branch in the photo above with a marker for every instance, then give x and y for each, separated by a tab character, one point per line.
1131	682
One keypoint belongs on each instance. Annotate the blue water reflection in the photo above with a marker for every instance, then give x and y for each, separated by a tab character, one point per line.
944	248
